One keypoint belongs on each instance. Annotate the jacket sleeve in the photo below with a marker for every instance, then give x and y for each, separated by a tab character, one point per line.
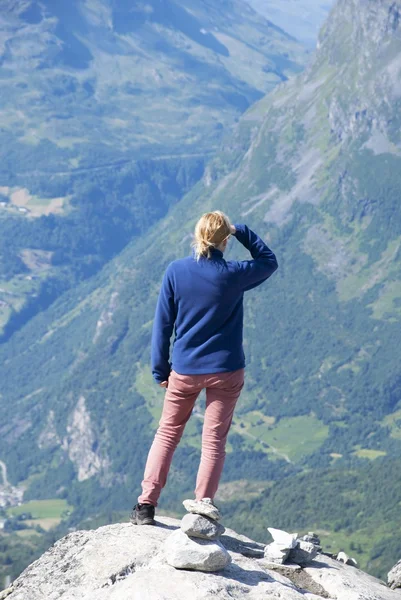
252	273
163	326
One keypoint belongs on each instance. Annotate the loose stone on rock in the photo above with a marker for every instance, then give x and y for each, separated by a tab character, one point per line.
282	538
276	554
201	527
203	507
303	553
347	560
183	552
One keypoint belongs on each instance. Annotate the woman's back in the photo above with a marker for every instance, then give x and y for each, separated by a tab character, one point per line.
203	299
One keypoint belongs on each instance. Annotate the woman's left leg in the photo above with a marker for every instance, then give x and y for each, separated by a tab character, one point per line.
221	397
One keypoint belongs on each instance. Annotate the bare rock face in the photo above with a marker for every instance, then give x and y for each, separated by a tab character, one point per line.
282	538
127	562
183	552
201	527
276	554
394	576
79	443
303	553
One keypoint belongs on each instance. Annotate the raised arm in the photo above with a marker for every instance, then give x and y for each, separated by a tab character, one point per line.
163	326
254	272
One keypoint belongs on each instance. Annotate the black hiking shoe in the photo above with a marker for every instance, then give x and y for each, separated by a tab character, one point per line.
143	514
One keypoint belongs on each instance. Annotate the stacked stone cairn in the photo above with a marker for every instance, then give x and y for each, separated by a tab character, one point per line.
288	548
196	545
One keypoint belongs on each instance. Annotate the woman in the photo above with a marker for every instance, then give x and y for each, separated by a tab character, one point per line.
202	296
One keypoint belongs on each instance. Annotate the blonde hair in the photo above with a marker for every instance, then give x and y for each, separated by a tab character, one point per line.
210	231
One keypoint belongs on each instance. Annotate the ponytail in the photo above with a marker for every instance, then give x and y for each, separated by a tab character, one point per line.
210	231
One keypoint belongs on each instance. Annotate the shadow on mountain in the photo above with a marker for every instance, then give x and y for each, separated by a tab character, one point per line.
167	13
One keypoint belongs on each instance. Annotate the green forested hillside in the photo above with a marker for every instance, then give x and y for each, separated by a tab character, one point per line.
355	510
108	113
314	168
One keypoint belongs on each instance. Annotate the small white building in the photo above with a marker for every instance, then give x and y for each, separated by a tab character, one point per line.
2	523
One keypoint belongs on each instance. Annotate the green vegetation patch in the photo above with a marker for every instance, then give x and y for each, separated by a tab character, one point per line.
393	422
357	284
388	304
368	453
42	509
292	437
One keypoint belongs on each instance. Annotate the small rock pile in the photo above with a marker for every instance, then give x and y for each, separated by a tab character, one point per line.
288	547
347	560
196	544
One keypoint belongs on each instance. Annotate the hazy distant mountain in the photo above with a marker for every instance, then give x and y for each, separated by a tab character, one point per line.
122	77
300	18
315	168
108	111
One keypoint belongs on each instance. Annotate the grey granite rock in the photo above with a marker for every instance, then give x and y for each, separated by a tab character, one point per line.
347	560
201	527
282	538
203	507
394	576
183	552
347	583
303	553
311	537
276	554
126	562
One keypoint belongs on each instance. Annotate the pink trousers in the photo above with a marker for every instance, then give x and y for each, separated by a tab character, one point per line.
222	393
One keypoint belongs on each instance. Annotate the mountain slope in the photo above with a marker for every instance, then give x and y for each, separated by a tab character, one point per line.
315	169
108	111
114	78
300	18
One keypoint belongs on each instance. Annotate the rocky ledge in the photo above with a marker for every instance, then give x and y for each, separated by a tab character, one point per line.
128	562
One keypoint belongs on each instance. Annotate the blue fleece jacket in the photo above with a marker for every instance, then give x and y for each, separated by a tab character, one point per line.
203	300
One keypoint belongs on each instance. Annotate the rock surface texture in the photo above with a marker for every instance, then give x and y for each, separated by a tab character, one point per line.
394	576
184	552
203	507
286	547
127	562
201	527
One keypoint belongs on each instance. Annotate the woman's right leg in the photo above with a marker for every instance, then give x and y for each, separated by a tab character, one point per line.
179	401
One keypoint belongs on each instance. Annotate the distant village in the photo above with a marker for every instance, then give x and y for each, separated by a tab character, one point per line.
10	496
